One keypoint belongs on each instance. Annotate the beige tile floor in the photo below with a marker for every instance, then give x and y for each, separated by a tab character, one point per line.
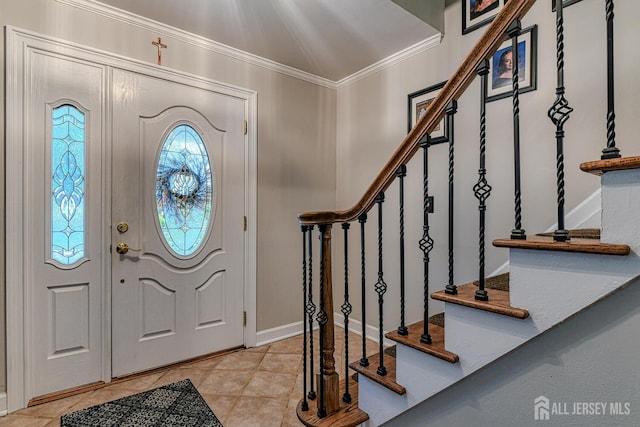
253	387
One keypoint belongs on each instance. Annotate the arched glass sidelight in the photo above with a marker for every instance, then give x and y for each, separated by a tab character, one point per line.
184	190
68	148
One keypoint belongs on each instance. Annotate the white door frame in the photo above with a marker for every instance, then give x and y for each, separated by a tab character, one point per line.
19	45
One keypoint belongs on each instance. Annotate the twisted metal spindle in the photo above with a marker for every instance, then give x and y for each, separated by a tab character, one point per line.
451	109
401	173
482	189
305	404
321	318
514	31
381	288
426	243
346	311
610	152
559	114
364	361
311	310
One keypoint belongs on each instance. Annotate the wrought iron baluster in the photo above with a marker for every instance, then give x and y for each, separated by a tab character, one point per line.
381	288
514	31
305	404
401	173
311	310
321	318
426	243
559	114
451	288
610	152
346	311
482	189
364	361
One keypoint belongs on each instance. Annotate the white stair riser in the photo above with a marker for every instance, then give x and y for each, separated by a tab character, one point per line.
621	208
380	403
555	285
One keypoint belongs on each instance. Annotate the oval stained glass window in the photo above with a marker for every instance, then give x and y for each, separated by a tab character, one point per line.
184	190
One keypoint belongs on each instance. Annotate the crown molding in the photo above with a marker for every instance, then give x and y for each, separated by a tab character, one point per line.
129	18
110	12
389	61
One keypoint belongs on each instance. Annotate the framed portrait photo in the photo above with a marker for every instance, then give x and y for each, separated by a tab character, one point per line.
418	103
565	3
476	13
502	63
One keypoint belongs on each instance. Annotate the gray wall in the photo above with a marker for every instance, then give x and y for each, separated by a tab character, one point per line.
372	117
592	357
296	140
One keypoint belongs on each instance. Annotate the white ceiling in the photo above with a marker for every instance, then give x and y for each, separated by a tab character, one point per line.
332	39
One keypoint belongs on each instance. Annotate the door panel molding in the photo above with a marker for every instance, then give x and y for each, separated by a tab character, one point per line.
21	44
180	145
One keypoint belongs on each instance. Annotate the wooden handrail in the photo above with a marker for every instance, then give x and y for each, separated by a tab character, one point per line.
453	89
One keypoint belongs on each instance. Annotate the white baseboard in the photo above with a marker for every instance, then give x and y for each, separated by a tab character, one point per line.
355	326
3	404
292	329
278	333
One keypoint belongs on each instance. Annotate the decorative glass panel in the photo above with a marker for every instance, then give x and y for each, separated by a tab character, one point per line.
184	190
67	184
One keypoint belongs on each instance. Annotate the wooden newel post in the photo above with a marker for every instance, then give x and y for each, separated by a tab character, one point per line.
329	377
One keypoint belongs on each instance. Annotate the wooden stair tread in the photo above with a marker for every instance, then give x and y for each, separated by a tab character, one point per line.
598	167
589	246
436	348
388	380
349	415
498	301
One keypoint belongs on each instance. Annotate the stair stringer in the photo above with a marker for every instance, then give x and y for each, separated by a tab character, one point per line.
552	286
478	338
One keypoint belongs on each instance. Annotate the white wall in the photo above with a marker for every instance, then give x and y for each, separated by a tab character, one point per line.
372	121
296	139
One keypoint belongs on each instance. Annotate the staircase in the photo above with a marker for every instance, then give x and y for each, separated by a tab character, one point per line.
552	276
549	282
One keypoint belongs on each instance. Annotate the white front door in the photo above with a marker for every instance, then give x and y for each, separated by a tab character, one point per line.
177	181
90	146
178	206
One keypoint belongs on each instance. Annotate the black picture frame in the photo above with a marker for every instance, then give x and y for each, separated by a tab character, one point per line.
421	99
498	86
472	20
565	3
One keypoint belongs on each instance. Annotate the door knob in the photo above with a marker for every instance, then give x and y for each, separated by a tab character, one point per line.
123	248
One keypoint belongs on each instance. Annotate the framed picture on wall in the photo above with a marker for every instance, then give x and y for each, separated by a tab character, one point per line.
501	66
565	3
476	13
418	103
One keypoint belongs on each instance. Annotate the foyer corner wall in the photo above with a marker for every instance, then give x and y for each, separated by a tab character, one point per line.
296	139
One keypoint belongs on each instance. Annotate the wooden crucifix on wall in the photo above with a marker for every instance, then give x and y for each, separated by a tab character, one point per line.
160	46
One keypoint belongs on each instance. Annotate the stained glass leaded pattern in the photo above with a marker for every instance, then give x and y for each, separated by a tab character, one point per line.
67	184
184	189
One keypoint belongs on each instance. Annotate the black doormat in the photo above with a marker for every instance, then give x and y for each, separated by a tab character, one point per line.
174	405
